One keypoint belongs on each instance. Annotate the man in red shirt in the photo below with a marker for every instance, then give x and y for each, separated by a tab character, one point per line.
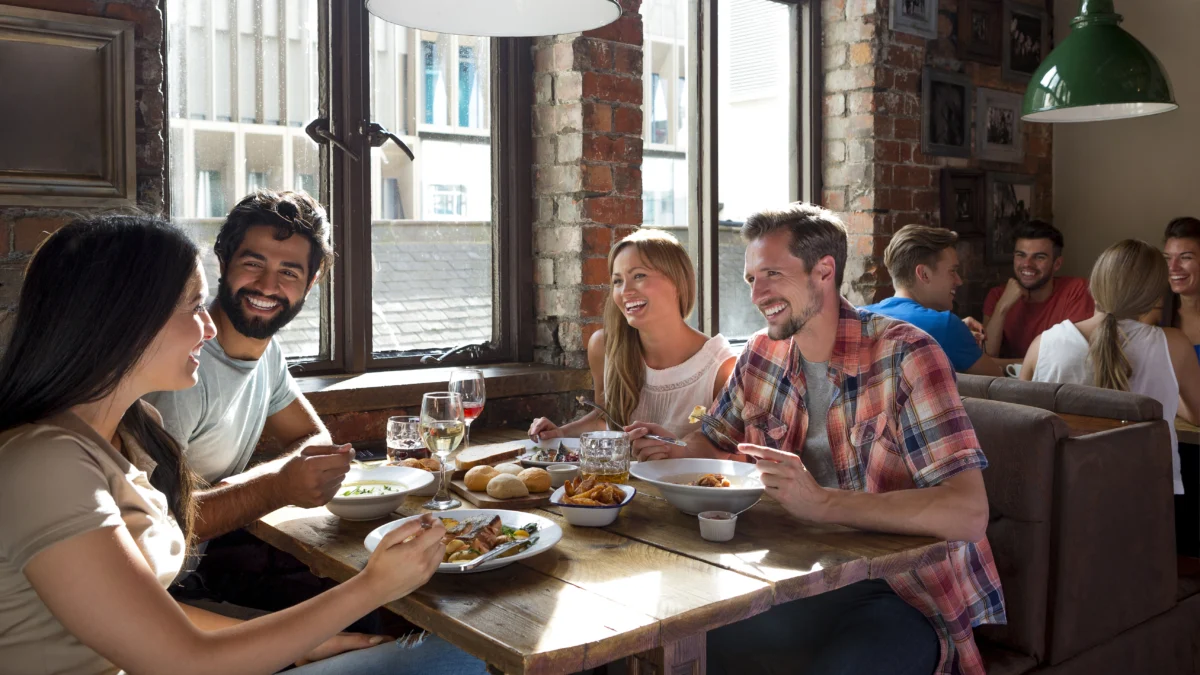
1015	314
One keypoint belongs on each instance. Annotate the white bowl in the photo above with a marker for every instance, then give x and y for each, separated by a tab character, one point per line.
669	474
561	473
548	533
717	525
591	516
370	507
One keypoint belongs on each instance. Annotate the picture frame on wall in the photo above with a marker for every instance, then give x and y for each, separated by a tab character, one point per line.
1010	199
1026	40
980	30
999	133
915	17
946	100
964	202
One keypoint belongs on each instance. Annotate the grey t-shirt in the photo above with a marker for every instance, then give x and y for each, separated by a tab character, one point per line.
817	455
219	421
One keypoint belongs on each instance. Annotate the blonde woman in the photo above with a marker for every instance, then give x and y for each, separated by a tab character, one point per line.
648	365
1114	350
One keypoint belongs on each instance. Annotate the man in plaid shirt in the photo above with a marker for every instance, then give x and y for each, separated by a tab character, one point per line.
854	419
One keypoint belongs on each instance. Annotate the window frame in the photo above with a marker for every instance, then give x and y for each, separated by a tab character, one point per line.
804	139
345	184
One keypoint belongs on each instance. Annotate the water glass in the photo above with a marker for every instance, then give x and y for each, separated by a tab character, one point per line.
404	439
605	455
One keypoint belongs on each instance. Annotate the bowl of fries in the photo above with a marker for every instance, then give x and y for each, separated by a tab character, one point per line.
586	503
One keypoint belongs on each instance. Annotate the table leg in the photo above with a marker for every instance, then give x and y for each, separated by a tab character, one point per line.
681	657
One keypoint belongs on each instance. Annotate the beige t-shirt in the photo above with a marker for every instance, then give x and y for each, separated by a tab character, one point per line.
58	479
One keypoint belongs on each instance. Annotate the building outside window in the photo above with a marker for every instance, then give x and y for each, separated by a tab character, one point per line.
755	163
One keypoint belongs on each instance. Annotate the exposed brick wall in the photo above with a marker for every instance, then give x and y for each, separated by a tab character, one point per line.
874	172
22	229
587	125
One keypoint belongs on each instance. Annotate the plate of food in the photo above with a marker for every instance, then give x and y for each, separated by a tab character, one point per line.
471	533
552	451
370	493
693	484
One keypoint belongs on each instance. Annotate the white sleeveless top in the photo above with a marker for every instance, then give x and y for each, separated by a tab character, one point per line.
1063	357
670	394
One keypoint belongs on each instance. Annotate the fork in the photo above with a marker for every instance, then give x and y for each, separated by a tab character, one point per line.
716	425
608	418
498	550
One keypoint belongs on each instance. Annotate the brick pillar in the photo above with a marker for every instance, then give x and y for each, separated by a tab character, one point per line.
587	126
22	229
874	172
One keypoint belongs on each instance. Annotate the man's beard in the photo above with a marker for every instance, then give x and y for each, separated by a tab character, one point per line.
798	321
1037	283
253	327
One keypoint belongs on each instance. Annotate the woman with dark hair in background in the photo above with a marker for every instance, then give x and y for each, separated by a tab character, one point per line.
1181	309
1181	247
96	499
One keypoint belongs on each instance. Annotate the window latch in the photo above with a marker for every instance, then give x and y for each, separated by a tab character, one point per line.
377	135
318	131
473	349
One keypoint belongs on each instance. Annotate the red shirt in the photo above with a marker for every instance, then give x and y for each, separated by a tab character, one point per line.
1027	320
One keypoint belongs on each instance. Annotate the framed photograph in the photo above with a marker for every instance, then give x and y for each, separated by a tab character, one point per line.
998	131
1009	203
946	113
915	17
964	202
1026	40
979	30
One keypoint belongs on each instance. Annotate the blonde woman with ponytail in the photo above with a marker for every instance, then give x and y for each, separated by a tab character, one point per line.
648	365
1113	349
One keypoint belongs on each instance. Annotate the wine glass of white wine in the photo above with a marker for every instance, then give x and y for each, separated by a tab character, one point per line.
442	426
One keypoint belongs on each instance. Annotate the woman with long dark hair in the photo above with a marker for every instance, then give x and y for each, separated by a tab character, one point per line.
96	499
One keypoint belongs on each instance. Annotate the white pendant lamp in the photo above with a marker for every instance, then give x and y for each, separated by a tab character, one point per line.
498	18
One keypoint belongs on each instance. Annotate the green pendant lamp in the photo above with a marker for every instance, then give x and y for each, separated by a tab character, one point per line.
1099	72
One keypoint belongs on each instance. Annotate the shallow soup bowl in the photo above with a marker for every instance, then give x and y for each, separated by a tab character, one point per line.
671	477
370	493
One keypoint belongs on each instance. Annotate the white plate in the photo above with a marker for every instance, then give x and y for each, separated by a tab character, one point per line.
571	444
691	499
548	535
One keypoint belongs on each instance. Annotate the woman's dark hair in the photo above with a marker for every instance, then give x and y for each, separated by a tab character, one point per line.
96	294
1185	227
289	213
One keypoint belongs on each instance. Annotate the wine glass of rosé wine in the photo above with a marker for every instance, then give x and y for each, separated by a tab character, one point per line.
468	382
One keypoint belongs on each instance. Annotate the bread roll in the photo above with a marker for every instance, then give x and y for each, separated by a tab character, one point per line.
430	464
510	468
412	463
506	486
537	480
478	478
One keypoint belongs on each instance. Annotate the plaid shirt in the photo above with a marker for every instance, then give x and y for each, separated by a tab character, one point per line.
896	423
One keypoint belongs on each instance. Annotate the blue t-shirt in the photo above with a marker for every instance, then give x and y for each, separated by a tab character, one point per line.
949	330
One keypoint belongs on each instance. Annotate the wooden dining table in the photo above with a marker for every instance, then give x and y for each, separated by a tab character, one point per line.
646	589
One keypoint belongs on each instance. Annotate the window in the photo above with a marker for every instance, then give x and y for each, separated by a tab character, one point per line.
423	274
750	58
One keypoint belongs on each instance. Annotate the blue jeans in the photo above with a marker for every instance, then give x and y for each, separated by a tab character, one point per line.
420	654
861	629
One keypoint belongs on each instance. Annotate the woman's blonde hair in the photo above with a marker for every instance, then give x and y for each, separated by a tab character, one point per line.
624	363
1128	280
